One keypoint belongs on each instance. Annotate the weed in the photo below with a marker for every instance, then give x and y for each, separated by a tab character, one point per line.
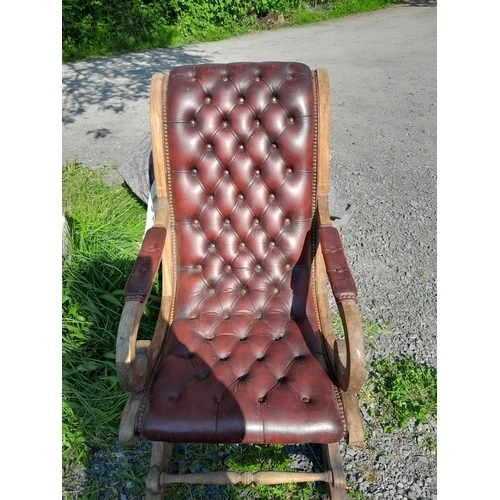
405	389
354	494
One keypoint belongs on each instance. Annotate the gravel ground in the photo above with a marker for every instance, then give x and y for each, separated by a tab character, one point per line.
384	158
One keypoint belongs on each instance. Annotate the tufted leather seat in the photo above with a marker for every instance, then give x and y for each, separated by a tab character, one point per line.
243	361
244	350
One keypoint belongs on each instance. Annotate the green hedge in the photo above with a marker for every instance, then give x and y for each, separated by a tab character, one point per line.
92	28
99	27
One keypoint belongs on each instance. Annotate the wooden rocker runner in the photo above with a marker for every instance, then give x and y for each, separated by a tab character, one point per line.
244	349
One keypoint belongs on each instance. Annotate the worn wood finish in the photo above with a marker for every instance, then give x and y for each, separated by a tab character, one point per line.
347	356
351	369
158	83
130	365
356	435
161	457
263	477
134	358
333	462
323	132
126	434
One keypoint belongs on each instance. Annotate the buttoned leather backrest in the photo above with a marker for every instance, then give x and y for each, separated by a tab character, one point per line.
242	175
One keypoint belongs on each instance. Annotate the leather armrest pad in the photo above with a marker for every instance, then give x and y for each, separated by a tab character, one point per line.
146	266
338	271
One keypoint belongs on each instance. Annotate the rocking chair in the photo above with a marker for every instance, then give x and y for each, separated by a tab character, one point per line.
244	349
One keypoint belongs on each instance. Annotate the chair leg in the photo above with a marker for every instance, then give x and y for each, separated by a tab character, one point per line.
161	456
332	460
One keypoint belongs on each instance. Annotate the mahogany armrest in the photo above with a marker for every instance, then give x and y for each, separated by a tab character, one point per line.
338	271
134	357
146	266
348	354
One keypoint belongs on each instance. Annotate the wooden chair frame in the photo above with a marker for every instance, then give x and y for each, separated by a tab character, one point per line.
134	358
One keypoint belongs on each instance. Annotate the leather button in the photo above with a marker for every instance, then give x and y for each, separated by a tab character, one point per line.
257	123
288	267
192	122
258	315
227	222
272	244
241	100
289	170
260	358
274	146
198	267
306	400
241	147
289	77
290	120
226	173
273	98
261	399
244	292
272	196
211	291
224	124
258	267
227	268
194	171
207	99
192	79
256	222
275	290
257	79
240	196
209	147
287	221
224	78
212	247
257	172
211	197
196	222
242	245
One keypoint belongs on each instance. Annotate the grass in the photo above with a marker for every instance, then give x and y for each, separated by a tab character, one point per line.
106	224
145	30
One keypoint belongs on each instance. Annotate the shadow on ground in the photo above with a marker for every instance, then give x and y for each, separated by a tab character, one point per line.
111	82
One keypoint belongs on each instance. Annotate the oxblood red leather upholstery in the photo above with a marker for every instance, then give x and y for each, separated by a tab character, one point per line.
243	361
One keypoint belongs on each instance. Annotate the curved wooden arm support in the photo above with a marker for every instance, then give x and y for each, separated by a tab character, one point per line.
134	357
349	354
